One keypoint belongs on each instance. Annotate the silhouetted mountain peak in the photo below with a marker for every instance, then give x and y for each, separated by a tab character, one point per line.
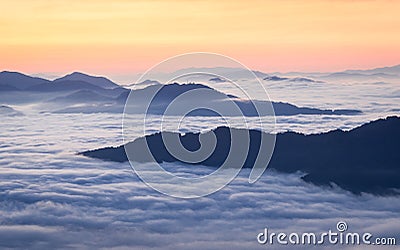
18	80
17	75
98	81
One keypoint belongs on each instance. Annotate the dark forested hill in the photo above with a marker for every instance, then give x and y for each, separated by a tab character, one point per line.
365	159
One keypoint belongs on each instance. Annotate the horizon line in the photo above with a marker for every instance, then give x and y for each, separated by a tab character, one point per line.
109	75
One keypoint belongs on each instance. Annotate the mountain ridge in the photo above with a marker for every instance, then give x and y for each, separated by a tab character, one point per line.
99	81
167	92
364	159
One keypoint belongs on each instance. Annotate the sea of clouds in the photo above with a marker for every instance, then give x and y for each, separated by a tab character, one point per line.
52	198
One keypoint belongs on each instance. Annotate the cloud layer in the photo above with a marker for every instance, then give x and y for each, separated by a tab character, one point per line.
52	198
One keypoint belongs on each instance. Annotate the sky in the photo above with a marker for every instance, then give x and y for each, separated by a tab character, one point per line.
122	37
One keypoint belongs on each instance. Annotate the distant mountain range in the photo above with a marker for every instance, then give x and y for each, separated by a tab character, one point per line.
213	98
233	73
389	74
74	81
294	79
98	94
391	70
364	159
12	81
166	94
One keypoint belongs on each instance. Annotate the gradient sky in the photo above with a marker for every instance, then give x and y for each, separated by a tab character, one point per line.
121	37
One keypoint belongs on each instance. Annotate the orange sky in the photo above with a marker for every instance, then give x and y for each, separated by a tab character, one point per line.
120	37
